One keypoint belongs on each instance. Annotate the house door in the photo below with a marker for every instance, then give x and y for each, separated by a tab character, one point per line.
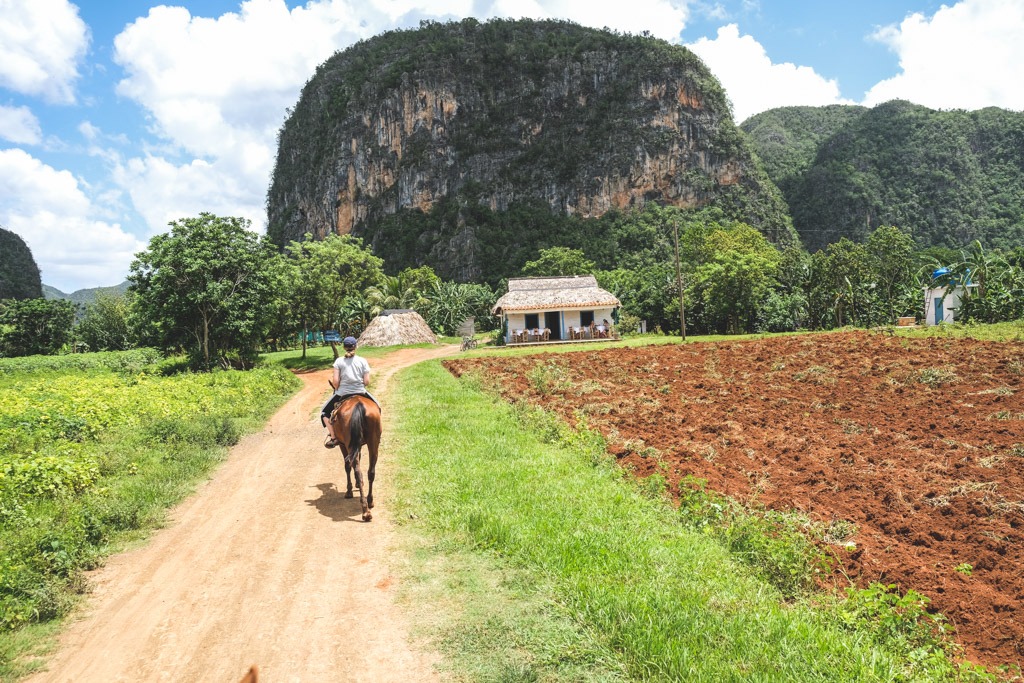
939	313
553	321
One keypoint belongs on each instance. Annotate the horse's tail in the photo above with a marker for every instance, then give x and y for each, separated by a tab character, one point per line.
356	428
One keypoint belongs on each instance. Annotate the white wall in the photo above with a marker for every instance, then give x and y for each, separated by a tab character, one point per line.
570	318
952	300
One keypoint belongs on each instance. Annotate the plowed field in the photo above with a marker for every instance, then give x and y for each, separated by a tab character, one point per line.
918	442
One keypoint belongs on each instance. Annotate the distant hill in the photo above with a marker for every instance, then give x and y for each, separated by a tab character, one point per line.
19	274
949	177
84	296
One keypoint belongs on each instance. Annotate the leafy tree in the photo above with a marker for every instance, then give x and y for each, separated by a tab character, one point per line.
34	326
891	258
106	324
559	261
737	273
205	287
324	273
840	284
647	293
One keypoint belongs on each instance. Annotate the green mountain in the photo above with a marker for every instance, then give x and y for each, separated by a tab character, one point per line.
949	177
19	274
85	296
468	146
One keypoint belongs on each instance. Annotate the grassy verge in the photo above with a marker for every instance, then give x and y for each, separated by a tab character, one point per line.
1008	331
538	561
90	460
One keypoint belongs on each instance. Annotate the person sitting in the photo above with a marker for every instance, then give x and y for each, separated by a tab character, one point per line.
351	377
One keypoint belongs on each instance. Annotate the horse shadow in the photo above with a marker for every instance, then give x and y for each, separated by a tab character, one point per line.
332	503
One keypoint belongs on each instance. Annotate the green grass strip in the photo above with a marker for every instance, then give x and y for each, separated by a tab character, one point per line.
633	594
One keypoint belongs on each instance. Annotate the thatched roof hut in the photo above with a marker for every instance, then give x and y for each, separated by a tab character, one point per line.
392	329
554	293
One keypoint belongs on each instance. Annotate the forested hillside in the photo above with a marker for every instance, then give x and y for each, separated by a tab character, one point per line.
19	274
947	177
469	146
85	296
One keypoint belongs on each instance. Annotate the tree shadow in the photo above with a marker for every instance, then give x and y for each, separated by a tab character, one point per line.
332	503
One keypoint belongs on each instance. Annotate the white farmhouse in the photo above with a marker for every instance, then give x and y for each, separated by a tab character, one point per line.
547	309
943	297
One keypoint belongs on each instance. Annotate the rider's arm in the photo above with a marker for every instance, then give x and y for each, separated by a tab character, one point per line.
337	377
366	378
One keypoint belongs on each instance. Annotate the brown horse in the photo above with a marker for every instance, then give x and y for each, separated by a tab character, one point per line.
356	421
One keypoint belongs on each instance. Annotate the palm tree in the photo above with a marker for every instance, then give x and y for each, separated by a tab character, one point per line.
355	314
395	292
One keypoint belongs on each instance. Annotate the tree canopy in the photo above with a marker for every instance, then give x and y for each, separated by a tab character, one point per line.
205	287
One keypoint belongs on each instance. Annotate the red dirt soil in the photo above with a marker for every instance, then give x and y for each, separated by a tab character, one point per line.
918	442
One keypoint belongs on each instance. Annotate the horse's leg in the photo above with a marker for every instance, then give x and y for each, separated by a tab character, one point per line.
348	471
372	444
357	464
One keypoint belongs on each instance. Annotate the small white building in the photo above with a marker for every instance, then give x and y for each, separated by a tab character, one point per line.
562	308
942	300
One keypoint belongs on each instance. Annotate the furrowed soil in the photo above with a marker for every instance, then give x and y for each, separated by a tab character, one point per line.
918	442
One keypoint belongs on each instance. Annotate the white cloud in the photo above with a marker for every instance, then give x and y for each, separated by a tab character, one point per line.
41	43
754	83
163	191
966	56
20	126
49	210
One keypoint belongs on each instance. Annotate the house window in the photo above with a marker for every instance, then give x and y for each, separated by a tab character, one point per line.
532	321
586	318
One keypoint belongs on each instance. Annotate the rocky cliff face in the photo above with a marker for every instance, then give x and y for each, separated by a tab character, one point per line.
501	114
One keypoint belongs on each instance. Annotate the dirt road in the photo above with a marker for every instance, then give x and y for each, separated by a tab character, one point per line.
266	564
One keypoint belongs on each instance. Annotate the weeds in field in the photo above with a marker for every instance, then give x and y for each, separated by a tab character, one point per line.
904	621
838	532
816	374
999	391
965	568
849	426
937	377
1005	415
548	377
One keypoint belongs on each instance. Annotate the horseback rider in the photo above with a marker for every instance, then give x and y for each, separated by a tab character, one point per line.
351	377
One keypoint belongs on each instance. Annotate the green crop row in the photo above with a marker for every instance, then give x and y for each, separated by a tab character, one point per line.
120	361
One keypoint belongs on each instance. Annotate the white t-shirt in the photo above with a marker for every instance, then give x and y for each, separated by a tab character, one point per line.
352	371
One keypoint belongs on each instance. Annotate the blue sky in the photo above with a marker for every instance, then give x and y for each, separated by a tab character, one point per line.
118	116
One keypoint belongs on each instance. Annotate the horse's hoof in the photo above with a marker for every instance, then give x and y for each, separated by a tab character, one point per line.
367	516
348	494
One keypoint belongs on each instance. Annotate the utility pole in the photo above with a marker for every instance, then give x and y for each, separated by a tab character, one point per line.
679	280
